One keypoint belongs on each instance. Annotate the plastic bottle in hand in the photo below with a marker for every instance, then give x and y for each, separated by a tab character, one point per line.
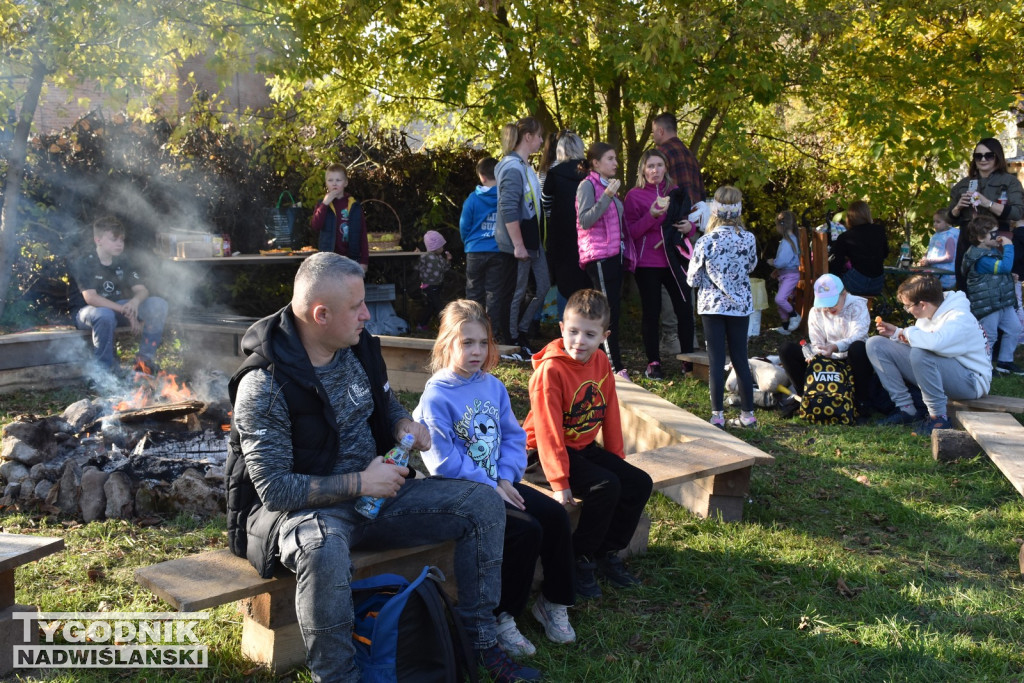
905	255
368	506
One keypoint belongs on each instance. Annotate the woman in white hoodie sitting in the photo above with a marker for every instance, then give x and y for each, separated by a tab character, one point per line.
944	353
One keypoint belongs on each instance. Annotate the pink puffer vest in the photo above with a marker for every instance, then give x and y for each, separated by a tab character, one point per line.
606	237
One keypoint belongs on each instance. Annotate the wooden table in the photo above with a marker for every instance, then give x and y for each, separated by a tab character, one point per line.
17	550
378	269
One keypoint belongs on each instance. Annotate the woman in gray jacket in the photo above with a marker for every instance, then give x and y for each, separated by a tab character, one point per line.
518	227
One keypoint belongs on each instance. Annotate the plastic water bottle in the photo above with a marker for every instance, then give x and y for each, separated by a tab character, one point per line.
905	255
368	506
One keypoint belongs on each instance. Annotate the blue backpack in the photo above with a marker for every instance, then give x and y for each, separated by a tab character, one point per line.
408	631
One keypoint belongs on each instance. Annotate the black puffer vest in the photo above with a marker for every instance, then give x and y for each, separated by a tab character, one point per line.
987	292
273	345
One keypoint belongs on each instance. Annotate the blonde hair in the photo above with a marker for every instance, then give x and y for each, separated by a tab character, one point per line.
453	317
512	133
641	181
726	194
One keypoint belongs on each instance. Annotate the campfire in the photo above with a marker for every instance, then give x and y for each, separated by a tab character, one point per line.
157	447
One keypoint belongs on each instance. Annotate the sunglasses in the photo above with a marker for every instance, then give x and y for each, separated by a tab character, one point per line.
984	156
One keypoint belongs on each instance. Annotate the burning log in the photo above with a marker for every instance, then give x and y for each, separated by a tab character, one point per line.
161	411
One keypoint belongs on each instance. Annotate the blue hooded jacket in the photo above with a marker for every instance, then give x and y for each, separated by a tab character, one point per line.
479	215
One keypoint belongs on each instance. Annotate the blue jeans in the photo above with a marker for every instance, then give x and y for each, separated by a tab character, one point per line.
862	285
315	545
103	322
1004	320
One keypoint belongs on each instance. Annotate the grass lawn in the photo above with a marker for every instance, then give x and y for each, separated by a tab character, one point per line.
859	559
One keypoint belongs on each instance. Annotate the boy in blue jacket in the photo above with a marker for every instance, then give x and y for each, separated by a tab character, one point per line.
476	226
990	288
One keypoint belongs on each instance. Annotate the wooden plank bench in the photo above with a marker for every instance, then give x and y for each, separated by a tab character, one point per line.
270	632
699	359
1000	435
45	359
998	404
17	550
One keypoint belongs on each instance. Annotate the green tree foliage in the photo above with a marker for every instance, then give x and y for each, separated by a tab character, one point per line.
874	99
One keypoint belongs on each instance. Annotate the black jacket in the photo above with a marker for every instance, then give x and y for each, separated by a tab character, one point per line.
273	344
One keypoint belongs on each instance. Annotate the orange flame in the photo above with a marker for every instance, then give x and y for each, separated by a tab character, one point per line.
164	388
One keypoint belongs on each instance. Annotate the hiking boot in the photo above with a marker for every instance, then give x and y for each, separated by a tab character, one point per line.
930	424
586	580
502	668
901	417
1008	366
510	639
555	620
653	371
612	568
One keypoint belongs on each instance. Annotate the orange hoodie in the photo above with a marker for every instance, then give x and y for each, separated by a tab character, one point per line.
570	401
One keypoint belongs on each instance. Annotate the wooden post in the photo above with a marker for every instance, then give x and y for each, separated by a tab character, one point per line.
949	445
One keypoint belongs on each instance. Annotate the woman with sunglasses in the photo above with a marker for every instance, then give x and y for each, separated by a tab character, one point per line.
988	190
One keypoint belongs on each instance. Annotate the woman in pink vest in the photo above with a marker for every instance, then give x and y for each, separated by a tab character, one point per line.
605	248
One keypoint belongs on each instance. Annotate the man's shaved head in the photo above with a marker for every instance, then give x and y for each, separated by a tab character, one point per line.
319	276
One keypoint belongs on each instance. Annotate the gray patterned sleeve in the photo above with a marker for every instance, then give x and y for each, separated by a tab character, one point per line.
264	426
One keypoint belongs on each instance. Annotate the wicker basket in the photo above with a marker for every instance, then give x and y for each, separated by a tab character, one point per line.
384	241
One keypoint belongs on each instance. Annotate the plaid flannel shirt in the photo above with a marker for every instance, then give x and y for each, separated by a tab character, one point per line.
683	168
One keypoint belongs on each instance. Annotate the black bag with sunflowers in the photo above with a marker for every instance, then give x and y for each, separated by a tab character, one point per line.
827	397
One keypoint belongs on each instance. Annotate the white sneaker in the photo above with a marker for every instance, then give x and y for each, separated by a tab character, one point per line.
555	620
511	640
781	330
794	322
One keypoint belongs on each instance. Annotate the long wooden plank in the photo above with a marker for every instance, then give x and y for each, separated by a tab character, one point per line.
999	404
672	465
19	549
1001	436
218	577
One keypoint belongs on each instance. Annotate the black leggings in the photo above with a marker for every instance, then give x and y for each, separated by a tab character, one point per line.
606	276
720	330
649	282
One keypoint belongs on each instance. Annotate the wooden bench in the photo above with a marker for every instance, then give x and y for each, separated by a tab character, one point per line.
46	359
270	632
17	550
699	359
998	404
705	469
1000	435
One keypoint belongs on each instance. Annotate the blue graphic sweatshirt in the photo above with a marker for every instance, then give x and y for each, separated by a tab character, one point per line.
473	433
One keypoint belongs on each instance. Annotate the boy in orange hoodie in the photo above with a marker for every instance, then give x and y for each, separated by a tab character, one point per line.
572	398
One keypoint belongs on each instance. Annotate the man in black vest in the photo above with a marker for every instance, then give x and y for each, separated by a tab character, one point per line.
312	412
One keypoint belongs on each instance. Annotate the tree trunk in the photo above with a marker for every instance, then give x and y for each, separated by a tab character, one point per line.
9	219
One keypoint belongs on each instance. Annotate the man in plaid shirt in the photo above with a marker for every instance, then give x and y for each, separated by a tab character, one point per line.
685	171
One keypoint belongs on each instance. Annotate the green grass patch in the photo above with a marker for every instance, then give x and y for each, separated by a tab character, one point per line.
859	558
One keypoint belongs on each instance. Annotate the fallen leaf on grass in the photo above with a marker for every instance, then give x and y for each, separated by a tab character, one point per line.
610	658
864	480
805	623
96	573
845	590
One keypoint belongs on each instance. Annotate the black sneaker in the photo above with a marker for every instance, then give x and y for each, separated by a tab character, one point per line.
901	417
1005	367
653	371
504	669
586	579
612	568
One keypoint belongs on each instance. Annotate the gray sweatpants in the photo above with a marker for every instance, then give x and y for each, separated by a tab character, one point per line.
938	377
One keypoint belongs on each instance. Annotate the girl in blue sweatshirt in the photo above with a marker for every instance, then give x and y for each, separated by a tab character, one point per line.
475	435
